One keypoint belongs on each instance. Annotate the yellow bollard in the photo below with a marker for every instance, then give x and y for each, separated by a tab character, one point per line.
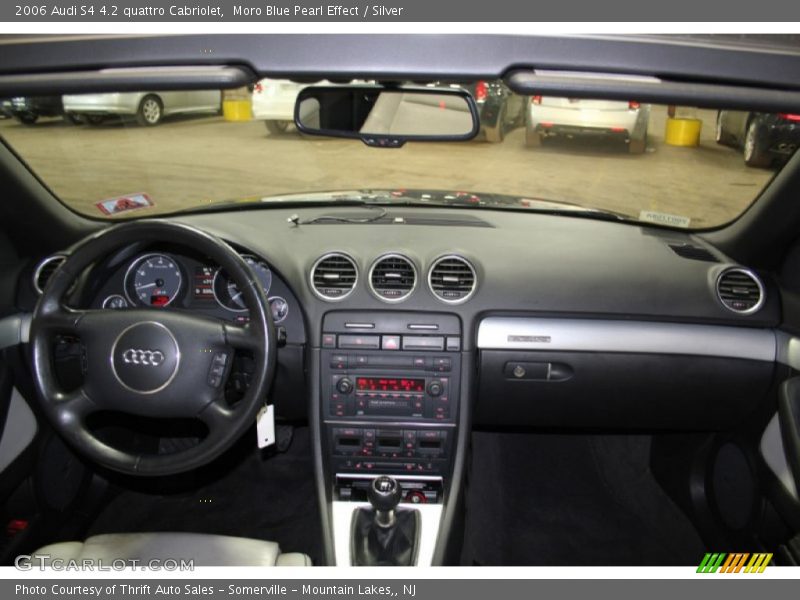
237	110
683	132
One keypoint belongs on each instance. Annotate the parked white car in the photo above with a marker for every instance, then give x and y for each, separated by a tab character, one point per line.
273	103
149	108
548	117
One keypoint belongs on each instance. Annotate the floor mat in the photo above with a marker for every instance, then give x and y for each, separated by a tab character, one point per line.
271	498
542	499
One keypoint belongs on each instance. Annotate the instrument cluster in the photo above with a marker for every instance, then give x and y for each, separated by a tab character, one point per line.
164	279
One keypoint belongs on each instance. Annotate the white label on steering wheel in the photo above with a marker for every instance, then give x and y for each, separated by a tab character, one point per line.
265	426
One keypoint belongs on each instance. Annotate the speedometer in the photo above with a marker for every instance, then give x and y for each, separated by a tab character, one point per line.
153	280
229	295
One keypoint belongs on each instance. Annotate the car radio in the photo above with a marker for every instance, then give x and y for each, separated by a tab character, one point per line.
390	391
390	385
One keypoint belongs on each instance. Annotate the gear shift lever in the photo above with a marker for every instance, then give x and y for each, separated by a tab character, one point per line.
384	535
384	494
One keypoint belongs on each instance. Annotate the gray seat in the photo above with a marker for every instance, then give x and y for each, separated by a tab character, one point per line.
203	549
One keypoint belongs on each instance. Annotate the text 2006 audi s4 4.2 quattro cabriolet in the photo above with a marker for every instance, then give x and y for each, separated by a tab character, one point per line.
381	342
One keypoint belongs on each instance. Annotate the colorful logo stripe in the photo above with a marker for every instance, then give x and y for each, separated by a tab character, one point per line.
734	563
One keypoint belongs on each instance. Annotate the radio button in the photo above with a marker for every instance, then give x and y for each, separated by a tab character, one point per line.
414	342
435	388
390	342
359	341
442	364
344	385
339	361
453	344
329	340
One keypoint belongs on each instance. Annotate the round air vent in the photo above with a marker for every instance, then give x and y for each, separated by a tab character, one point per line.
44	271
334	276
452	279
392	277
740	290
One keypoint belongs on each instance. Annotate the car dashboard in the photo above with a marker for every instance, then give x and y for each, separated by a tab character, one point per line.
397	338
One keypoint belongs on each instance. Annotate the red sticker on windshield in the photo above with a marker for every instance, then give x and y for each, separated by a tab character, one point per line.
112	206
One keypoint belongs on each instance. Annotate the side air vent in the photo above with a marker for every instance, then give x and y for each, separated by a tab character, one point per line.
44	271
334	276
392	277
740	290
452	279
693	252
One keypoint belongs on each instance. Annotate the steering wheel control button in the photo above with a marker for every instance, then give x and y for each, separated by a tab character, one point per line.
145	357
216	372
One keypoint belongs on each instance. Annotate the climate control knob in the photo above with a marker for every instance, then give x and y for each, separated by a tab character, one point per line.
435	388
344	386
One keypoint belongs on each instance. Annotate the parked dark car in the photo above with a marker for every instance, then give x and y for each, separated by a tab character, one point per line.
28	109
501	110
764	138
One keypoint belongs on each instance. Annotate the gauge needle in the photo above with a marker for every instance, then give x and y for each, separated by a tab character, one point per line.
236	296
147	285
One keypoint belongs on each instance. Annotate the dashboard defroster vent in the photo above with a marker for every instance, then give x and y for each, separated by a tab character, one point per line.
740	290
44	271
392	277
452	279
334	276
693	252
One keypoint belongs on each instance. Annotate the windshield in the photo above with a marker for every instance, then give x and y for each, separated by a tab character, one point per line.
129	155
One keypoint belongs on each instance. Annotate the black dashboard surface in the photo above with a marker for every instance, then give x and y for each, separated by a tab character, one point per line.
525	263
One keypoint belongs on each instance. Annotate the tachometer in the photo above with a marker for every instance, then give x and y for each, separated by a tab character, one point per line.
227	292
153	280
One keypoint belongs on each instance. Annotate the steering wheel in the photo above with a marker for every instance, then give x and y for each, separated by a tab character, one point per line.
158	363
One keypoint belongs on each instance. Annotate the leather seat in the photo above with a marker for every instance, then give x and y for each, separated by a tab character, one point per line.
206	550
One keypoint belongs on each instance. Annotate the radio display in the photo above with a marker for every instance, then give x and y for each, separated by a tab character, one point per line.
381	384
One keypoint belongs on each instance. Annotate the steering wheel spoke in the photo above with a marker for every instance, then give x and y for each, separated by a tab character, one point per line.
62	320
216	416
73	407
241	337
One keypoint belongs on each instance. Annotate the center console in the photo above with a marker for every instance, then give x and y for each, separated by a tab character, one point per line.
389	406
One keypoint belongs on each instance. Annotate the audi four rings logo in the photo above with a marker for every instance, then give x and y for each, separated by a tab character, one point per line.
147	358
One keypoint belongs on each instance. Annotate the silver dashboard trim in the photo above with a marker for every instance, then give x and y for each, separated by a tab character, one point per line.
788	350
640	337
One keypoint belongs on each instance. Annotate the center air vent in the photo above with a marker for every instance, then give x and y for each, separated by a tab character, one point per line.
393	277
741	291
452	279
334	276
44	271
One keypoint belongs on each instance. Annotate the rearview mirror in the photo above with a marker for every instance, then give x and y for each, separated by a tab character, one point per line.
387	117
